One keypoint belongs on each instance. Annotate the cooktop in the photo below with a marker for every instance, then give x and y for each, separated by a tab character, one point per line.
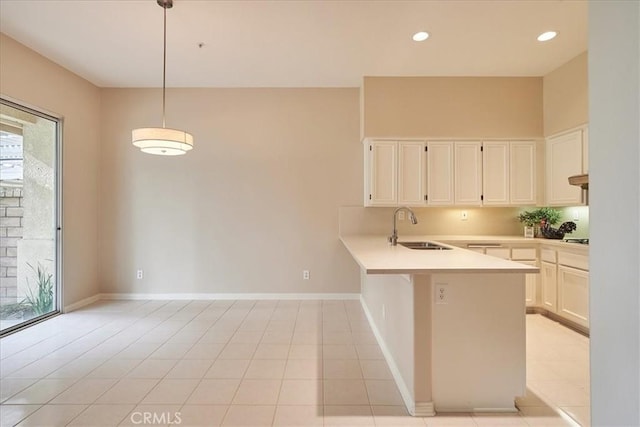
580	241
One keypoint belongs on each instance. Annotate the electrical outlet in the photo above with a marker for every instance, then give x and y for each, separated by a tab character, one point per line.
139	274
464	215
306	275
441	293
401	215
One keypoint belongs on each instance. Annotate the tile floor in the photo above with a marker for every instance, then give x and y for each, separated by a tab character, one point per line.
247	363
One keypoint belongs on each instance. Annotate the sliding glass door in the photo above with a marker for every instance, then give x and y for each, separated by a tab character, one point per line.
29	216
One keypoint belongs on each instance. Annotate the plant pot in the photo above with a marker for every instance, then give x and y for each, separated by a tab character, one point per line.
529	232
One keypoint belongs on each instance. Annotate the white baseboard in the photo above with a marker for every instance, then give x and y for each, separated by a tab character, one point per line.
421	409
76	305
240	296
425	409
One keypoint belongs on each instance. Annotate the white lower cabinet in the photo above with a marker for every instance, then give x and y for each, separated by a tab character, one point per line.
531	286
529	256
573	294
499	252
549	286
562	287
525	255
564	281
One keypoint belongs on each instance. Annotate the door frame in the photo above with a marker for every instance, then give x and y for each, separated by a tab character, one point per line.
58	208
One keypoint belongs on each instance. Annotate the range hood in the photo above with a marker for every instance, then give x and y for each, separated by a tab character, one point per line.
580	180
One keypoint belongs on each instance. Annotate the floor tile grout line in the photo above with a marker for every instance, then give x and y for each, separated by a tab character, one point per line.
158	380
164	377
351	318
79	355
241	379
44	357
275	412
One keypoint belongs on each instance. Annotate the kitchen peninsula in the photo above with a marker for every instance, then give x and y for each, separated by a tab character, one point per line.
451	323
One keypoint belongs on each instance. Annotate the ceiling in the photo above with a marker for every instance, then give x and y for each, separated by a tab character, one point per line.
295	43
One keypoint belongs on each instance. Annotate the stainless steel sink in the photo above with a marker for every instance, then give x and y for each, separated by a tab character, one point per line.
424	246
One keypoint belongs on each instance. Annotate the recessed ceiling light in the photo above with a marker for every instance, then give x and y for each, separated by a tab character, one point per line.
420	36
546	36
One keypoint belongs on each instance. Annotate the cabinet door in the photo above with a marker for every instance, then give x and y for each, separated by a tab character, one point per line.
468	173
383	172
495	173
573	294
412	175
440	173
548	283
522	173
564	159
531	286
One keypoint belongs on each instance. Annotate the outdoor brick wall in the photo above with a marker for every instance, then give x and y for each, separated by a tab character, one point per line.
11	213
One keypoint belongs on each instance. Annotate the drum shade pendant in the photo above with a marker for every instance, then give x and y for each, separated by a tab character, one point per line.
163	141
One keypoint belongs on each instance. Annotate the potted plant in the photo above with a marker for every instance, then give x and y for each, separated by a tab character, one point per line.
532	219
529	219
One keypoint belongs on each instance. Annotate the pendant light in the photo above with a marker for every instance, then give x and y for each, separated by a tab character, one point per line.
163	141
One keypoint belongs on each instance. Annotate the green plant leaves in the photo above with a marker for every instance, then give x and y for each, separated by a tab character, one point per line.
40	301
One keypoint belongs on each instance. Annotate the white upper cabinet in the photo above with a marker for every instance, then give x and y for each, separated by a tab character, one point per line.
395	173
382	173
468	173
447	173
522	173
495	173
509	173
440	176
412	173
565	155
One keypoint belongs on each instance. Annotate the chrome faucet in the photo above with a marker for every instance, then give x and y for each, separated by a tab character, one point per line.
393	239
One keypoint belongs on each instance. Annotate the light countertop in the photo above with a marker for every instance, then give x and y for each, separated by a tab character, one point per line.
376	256
511	240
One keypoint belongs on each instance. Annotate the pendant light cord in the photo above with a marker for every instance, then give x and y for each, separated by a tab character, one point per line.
164	66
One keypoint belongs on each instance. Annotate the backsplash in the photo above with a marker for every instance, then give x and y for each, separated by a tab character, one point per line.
443	221
579	215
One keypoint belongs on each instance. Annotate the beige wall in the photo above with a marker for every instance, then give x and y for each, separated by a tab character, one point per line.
457	107
565	96
32	79
254	204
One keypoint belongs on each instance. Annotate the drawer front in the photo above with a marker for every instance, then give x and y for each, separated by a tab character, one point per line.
504	253
548	255
573	260
523	253
476	249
